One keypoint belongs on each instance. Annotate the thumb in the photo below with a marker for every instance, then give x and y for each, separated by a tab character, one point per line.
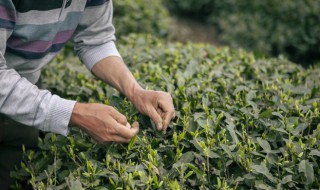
156	118
135	127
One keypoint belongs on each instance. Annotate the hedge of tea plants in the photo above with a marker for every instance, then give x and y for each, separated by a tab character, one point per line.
267	27
141	16
242	123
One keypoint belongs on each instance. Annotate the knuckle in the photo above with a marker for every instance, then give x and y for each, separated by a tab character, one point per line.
123	118
112	109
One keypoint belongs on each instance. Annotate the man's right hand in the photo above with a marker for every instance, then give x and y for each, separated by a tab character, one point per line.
103	123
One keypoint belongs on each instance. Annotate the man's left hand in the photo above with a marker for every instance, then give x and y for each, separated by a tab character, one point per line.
157	105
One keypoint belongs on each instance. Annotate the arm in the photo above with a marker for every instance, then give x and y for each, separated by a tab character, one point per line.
156	104
19	98
94	41
94	44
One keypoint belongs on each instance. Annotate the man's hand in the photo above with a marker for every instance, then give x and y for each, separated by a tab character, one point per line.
155	104
103	123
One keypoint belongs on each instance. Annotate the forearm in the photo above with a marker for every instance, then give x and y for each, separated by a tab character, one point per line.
114	72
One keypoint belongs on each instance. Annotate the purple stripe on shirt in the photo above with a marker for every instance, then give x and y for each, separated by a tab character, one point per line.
38	45
7	14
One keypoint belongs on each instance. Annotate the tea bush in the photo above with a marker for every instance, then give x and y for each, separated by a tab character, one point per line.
141	16
199	9
267	27
241	123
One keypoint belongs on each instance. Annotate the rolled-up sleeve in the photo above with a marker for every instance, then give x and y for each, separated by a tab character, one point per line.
95	36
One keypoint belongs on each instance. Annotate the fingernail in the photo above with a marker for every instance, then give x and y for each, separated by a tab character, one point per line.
159	126
128	125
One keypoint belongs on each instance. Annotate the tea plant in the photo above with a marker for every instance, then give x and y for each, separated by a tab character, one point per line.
273	27
141	16
241	123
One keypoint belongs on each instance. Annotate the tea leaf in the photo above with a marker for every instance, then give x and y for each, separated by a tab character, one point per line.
306	167
266	114
315	153
262	169
264	144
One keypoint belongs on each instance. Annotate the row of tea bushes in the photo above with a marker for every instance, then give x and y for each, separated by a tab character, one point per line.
141	16
241	123
269	27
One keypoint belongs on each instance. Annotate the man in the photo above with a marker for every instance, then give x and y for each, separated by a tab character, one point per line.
31	34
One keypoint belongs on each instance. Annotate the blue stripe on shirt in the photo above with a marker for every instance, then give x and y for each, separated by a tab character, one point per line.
91	3
36	55
7	24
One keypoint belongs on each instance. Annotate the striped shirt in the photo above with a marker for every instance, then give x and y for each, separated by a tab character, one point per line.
31	34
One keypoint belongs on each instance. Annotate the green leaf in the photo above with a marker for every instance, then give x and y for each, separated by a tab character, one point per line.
195	169
307	168
266	114
262	185
250	95
262	169
278	114
74	184
240	88
227	150
188	175
314	152
212	154
132	142
233	133
299	129
187	157
301	90
198	115
264	144
286	179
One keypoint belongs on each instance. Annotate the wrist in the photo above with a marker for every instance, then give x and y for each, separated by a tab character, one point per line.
77	113
134	92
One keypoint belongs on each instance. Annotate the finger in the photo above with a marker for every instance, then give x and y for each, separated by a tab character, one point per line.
135	127
125	132
160	112
168	112
167	118
120	139
166	103
156	118
120	118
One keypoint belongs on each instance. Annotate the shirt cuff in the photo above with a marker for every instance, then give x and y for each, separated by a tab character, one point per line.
59	115
96	54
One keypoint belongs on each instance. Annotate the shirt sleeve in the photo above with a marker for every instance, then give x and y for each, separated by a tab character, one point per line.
20	99
94	37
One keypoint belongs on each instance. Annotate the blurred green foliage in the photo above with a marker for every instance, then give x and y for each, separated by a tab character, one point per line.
141	16
273	27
